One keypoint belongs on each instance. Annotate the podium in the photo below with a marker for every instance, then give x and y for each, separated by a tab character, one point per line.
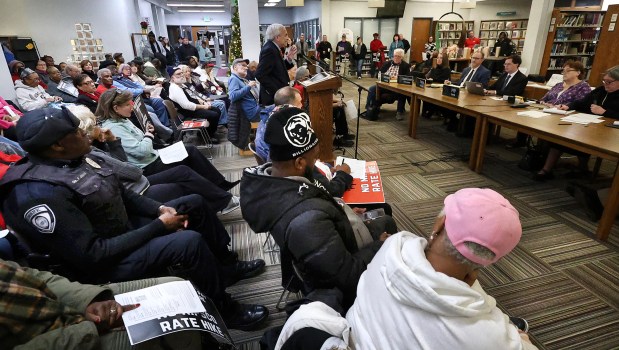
320	92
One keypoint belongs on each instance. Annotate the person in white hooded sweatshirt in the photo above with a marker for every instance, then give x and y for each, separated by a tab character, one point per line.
424	294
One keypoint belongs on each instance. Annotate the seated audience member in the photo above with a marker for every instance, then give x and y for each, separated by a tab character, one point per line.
66	204
106	81
8	54
123	82
603	101
30	95
152	69
8	120
312	229
190	106
439	74
251	70
164	186
572	88
197	90
114	111
193	62
342	137
243	91
41	69
424	294
45	311
88	69
118	58
88	94
153	90
49	61
62	84
211	83
285	96
15	67
393	68
302	74
512	82
62	66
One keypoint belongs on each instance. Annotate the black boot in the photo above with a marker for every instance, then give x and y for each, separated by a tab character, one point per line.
245	317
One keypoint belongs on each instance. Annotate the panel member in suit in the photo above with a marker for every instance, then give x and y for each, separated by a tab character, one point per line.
475	72
512	82
272	72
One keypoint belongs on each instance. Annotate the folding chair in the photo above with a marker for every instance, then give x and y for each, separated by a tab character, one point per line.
252	148
183	127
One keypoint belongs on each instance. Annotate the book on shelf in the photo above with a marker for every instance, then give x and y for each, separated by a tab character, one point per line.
469	26
493	25
493	35
523	34
524	24
515	33
500	25
521	43
452	26
459	26
491	43
484	34
485	25
509	25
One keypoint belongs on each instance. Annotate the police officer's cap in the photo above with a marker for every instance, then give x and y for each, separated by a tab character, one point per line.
41	128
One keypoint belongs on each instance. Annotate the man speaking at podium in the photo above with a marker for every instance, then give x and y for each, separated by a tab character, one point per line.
272	72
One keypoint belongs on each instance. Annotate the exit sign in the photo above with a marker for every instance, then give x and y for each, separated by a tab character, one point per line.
506	13
207	19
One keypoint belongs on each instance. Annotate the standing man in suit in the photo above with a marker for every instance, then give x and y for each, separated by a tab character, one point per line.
272	72
512	82
302	49
475	72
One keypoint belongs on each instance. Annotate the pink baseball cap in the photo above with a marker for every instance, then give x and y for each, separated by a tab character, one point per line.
482	216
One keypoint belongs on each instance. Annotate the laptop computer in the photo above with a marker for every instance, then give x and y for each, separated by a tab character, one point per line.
474	88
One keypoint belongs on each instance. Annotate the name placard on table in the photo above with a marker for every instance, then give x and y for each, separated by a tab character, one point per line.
451	91
405	79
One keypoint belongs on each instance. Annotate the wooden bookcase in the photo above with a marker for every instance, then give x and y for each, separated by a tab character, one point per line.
573	35
449	32
516	30
607	55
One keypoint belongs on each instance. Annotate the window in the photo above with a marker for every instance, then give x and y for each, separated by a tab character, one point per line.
310	28
366	27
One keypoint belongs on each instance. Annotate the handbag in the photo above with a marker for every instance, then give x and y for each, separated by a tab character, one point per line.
534	157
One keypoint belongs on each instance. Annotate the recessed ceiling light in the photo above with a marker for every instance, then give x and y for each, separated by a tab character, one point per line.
194	5
270	4
274	0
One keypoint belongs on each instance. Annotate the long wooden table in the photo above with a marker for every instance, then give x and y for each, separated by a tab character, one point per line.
594	139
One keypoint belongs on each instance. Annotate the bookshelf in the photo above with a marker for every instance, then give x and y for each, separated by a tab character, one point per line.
607	54
516	30
572	35
449	32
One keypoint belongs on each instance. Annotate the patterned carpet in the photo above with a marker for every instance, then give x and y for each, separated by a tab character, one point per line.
561	279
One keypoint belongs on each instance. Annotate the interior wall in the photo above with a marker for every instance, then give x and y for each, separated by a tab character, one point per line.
52	26
275	15
311	10
341	9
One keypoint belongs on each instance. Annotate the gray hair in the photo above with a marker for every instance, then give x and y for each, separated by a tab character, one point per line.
103	70
400	51
71	67
273	30
123	66
302	72
87	120
613	72
475	248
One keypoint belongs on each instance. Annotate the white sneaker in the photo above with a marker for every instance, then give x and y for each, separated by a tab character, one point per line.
399	116
234	204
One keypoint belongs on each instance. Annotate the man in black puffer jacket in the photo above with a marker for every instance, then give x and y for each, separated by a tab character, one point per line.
311	228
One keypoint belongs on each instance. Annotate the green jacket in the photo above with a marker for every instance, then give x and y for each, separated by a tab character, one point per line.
76	296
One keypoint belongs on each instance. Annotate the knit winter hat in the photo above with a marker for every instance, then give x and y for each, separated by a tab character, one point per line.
289	133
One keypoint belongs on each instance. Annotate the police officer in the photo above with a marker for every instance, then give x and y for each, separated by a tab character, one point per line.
74	207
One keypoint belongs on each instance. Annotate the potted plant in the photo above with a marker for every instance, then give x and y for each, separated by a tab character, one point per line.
144	26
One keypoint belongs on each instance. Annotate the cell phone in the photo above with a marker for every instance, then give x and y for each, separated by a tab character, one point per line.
373	214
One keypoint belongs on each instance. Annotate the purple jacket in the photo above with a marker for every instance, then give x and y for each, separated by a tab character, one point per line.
573	93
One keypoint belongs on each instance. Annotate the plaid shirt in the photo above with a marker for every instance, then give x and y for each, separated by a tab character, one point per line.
393	70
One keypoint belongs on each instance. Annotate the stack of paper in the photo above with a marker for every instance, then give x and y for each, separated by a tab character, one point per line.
582	118
557	111
357	167
533	114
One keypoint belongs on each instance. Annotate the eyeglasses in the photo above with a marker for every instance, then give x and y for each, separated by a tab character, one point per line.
568	70
89	82
116	93
476	58
607	82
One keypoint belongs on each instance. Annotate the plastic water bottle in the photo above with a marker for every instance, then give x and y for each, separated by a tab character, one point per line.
379	76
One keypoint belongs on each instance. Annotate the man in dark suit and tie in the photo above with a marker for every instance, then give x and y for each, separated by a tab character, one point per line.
512	82
272	72
475	72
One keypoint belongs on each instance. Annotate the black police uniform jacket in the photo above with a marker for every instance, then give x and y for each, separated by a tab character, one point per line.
309	226
77	211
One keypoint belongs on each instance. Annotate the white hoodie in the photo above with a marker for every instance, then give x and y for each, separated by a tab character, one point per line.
30	98
403	303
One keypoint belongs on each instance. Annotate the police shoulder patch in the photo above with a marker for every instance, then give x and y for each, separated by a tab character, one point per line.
41	217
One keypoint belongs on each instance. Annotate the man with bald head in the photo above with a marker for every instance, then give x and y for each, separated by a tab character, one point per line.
61	83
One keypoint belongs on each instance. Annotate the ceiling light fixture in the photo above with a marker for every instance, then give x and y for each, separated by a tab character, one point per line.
270	4
195	5
207	11
272	1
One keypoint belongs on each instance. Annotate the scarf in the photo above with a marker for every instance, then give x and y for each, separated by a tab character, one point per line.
27	307
94	96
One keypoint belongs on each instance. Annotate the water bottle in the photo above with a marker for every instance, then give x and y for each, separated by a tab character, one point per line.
379	76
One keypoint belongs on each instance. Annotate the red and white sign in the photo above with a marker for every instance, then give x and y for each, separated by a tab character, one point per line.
368	189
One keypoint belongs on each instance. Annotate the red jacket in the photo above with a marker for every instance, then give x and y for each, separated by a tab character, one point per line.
377	46
471	42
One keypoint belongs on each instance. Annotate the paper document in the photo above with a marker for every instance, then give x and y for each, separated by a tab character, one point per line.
496	98
582	118
161	300
557	111
554	80
357	167
533	114
174	153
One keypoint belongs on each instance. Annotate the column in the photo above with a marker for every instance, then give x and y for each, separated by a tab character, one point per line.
250	35
537	32
6	84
